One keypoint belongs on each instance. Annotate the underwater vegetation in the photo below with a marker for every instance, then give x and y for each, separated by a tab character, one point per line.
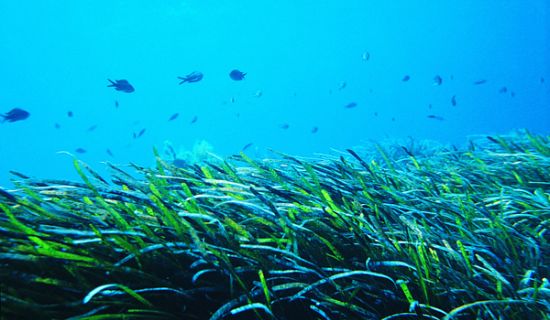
201	151
403	233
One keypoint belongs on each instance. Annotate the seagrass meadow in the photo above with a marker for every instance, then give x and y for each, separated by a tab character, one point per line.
385	232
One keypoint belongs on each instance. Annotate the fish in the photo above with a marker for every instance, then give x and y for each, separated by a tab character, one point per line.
80	150
393	119
258	94
512	94
194	76
342	85
365	56
70	114
195	118
141	132
376	113
406	78
453	101
437	80
109	152
541	79
57	125
116	104
92	128
237	75
246	146
314	129
478	82
503	90
173	117
121	85
284	126
14	115
431	116
351	105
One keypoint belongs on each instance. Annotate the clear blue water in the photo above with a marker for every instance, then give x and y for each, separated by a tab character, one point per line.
56	56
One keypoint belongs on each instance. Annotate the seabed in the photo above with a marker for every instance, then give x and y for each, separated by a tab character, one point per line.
382	233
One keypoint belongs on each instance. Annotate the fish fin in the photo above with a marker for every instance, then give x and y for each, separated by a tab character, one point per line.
113	84
183	80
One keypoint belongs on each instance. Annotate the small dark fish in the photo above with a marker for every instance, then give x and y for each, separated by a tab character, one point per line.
478	82
14	115
70	114
109	152
453	101
284	126
393	119
503	90
80	150
314	130
351	105
406	78
342	85
116	104
194	76
512	94
195	118
141	132
237	75
246	146
431	116
173	117
92	128
57	125
437	80
541	80
121	85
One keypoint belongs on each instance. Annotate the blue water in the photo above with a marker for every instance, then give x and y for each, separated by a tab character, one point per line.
56	56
